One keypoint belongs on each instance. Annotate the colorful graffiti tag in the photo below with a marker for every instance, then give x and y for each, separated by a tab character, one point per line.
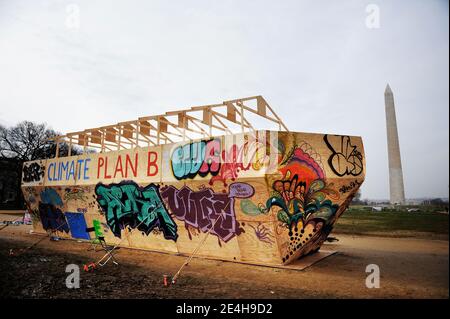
204	208
209	157
127	204
197	158
301	195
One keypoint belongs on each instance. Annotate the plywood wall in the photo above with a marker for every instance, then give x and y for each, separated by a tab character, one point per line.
270	197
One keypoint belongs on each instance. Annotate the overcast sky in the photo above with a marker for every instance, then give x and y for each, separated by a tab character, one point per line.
316	62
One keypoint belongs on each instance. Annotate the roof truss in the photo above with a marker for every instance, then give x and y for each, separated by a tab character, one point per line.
187	124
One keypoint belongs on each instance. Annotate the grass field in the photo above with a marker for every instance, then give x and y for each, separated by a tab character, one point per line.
361	220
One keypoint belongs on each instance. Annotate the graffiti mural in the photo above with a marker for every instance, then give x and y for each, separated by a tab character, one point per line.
302	197
204	208
75	194
77	225
250	155
52	218
346	159
197	158
267	197
263	233
347	188
300	201
127	204
208	157
33	172
51	197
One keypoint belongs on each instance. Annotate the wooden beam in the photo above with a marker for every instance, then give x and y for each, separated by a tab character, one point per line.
142	130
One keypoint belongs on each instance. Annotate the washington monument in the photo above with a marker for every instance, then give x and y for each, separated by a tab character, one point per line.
397	191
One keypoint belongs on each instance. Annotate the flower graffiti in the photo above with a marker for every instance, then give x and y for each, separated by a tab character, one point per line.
301	194
299	204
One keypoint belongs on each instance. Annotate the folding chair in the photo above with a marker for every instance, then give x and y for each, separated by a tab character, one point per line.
99	240
99	237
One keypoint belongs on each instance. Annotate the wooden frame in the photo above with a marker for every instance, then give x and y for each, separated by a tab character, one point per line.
188	124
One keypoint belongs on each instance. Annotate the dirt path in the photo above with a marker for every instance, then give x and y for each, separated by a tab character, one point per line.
410	268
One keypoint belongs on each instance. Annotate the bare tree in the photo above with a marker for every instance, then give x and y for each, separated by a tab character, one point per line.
29	141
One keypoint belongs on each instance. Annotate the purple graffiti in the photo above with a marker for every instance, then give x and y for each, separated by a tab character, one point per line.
263	233
200	209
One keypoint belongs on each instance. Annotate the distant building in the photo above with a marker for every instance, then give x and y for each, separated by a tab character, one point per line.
396	188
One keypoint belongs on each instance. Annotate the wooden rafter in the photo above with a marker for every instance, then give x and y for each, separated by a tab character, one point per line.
159	129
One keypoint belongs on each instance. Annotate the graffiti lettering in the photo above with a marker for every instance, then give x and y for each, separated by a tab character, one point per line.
208	157
241	158
33	172
195	158
127	204
200	209
241	190
346	188
345	159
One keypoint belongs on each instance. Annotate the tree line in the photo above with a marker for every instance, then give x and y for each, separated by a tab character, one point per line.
28	141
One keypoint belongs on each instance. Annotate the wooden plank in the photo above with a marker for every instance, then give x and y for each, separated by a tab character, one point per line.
261	106
127	131
96	137
111	135
231	112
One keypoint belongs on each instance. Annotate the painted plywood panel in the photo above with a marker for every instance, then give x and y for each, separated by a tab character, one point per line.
197	160
258	242
33	173
77	225
197	207
86	169
250	196
269	197
62	171
153	241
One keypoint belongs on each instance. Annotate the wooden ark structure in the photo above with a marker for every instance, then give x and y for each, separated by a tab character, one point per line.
163	182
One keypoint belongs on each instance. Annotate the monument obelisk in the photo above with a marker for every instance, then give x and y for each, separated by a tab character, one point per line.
396	187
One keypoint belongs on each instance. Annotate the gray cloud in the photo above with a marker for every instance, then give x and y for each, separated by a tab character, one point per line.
317	64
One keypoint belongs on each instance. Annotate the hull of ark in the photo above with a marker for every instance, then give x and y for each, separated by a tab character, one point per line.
267	197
